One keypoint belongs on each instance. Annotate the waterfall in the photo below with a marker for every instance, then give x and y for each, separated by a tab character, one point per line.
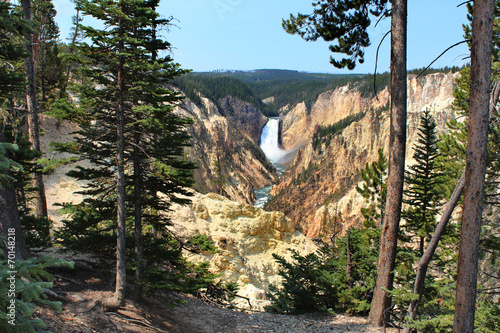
269	141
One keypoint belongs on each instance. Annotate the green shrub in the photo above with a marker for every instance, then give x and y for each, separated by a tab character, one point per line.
203	242
308	284
320	281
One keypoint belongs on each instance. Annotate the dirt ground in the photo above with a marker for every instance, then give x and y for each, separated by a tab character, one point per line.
78	289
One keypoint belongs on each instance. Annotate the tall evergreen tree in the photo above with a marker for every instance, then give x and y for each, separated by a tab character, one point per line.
423	196
32	110
48	65
423	179
129	133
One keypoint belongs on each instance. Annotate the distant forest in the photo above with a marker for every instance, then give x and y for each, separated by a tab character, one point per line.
287	87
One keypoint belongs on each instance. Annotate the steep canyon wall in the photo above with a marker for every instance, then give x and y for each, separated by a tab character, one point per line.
318	190
225	147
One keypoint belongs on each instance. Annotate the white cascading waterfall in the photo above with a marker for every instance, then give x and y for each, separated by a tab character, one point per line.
269	143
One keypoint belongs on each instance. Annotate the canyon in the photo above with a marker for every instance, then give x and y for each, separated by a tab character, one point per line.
318	190
315	197
225	148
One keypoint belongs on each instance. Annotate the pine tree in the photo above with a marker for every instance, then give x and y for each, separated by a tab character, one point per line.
32	108
424	194
423	197
138	169
374	189
48	65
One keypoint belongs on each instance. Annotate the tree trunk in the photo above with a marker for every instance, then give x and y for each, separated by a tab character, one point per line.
475	169
10	223
32	109
397	148
139	247
421	245
121	258
426	258
118	298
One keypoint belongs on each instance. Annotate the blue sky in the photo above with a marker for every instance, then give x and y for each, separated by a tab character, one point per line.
247	34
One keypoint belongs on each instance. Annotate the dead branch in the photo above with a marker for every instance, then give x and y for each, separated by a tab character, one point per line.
439	56
376	63
54	295
133	321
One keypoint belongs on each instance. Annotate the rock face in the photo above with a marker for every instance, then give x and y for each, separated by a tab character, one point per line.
318	190
246	238
59	188
225	147
329	108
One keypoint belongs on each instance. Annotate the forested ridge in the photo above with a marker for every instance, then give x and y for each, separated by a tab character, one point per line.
283	88
412	264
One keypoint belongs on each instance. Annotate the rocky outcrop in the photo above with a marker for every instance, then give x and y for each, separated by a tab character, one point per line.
225	147
246	238
318	190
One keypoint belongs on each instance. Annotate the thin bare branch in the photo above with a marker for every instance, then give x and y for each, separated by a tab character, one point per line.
465	2
376	62
381	18
433	61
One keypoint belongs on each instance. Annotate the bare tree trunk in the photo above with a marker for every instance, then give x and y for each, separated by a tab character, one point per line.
426	258
32	108
118	298
10	223
397	148
121	217
475	169
139	247
121	258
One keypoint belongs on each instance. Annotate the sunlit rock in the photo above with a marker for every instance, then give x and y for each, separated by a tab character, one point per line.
246	238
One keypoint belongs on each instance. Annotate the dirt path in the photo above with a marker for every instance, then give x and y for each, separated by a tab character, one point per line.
80	288
196	317
81	314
